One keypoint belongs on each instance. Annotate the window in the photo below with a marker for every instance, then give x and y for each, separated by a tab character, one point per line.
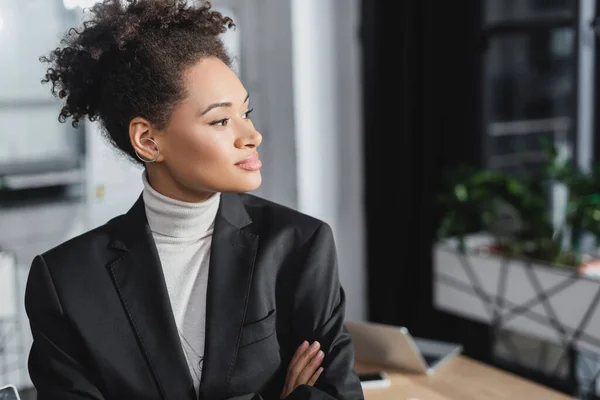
539	64
529	81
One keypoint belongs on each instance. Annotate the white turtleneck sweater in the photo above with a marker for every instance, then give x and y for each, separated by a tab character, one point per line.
183	234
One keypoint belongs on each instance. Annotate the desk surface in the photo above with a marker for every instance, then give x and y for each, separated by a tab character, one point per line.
460	379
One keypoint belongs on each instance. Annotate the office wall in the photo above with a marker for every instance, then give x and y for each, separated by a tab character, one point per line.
351	231
328	126
266	71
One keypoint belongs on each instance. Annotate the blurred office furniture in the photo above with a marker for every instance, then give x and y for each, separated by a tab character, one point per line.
538	82
557	306
12	351
42	161
30	226
480	83
37	150
461	379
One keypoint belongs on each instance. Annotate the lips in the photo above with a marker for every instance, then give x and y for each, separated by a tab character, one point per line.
251	163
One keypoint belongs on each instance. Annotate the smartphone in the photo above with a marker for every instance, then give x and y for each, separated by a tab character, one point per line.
374	380
9	393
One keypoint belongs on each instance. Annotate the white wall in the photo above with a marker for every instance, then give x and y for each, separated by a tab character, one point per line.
266	71
351	234
326	56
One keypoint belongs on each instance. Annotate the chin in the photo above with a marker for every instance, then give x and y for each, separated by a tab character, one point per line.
249	184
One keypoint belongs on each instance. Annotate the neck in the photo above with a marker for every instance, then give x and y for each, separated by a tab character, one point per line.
178	219
162	181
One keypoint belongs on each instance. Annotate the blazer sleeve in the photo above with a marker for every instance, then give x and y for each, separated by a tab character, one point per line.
318	314
55	364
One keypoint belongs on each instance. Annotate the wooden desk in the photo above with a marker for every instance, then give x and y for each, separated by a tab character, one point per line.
460	379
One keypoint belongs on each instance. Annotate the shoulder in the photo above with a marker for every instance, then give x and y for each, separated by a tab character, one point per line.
275	217
83	250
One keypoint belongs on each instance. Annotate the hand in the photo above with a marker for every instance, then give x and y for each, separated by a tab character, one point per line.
304	369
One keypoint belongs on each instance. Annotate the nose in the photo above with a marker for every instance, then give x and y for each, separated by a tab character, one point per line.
250	138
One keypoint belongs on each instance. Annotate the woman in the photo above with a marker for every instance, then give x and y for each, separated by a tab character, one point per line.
200	290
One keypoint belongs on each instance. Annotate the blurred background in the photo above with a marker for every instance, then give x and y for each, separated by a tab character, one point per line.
364	107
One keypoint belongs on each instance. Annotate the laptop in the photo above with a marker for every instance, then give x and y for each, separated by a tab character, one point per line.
394	347
9	393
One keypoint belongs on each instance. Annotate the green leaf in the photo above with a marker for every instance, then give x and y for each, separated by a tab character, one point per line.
461	192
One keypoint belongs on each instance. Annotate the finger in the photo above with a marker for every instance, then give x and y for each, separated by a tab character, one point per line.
299	351
310	369
301	363
315	376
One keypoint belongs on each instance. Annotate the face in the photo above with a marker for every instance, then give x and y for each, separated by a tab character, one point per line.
210	144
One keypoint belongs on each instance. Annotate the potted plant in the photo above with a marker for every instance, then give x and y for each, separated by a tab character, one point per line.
501	260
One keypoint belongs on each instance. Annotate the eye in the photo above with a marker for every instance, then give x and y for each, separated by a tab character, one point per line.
247	113
221	122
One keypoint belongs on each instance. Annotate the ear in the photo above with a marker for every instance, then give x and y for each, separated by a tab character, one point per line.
140	129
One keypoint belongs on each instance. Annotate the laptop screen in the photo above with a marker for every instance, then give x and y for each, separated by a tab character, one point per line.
8	393
431	359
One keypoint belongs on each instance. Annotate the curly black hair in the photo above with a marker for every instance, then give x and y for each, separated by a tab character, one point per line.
127	61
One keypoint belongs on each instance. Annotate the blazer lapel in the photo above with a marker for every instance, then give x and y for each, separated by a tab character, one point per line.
233	253
138	277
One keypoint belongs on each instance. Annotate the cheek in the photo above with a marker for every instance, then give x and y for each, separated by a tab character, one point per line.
202	149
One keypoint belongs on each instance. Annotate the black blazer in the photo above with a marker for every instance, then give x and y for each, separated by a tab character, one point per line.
103	327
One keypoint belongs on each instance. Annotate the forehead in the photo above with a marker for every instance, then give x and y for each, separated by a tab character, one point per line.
210	81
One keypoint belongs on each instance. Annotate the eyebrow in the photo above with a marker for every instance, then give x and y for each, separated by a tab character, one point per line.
223	104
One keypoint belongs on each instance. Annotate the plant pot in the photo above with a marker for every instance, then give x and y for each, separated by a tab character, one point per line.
553	304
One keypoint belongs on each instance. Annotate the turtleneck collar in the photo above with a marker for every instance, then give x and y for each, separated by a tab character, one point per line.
179	219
